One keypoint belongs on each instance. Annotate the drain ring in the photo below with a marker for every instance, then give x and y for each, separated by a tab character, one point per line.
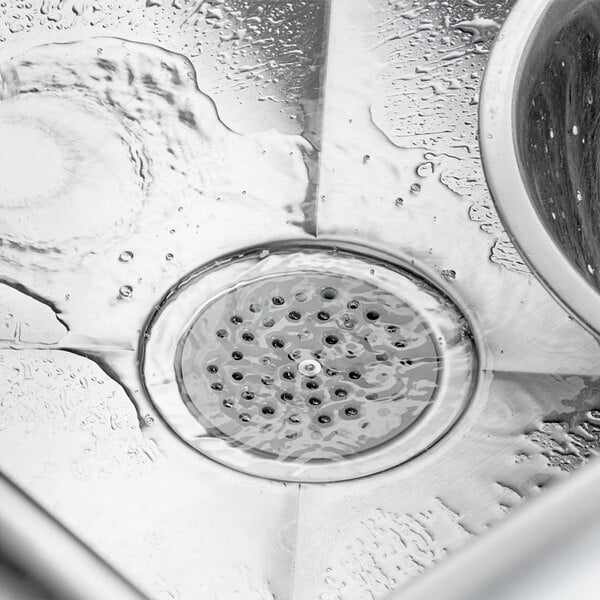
309	362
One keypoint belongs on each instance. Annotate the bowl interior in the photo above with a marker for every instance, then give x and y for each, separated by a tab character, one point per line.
557	123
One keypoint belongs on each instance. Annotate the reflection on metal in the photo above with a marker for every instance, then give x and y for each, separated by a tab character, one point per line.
313	100
539	135
538	538
52	555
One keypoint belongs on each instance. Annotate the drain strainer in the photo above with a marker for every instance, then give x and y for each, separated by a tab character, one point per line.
308	366
309	363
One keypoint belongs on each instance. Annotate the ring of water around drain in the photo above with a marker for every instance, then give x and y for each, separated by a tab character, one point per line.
309	363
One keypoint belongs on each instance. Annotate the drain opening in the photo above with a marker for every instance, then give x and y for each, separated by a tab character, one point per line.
303	352
315	365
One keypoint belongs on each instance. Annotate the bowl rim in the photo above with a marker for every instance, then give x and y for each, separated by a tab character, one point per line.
503	171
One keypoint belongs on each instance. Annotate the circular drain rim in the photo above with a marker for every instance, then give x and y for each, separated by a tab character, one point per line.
458	378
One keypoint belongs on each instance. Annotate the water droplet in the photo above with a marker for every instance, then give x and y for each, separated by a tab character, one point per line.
126	256
125	291
590	97
425	170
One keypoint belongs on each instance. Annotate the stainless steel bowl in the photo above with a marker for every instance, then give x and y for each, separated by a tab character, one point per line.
539	138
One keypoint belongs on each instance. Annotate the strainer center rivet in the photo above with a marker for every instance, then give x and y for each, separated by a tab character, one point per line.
310	368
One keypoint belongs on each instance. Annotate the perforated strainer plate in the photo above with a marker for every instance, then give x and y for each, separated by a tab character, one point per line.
309	363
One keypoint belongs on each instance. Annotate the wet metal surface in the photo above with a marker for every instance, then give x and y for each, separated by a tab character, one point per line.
544	176
416	76
426	193
196	110
558	139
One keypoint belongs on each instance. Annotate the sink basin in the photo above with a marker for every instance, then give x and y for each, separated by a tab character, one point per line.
539	136
262	333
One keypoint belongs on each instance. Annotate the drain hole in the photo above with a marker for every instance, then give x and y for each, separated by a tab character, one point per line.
312	354
329	293
348	322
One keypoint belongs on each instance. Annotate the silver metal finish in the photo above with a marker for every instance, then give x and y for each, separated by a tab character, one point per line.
539	115
56	558
391	362
170	135
533	555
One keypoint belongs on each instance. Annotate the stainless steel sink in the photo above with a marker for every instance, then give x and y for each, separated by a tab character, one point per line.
263	333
